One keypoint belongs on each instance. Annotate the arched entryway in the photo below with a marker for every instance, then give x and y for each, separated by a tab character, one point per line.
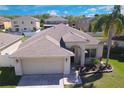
77	58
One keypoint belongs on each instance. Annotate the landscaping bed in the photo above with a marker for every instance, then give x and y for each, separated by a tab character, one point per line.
8	77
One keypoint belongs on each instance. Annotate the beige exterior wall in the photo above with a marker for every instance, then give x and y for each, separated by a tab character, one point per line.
27	24
67	64
99	51
5	60
7	25
82	46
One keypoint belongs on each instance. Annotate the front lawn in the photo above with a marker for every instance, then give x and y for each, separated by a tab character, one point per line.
113	79
8	78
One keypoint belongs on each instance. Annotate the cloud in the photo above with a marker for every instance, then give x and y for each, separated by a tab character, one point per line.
52	12
2	7
106	8
122	9
92	9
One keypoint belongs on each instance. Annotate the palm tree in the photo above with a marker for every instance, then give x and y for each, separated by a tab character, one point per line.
112	24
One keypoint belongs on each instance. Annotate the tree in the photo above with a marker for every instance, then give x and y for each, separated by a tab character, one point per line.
112	24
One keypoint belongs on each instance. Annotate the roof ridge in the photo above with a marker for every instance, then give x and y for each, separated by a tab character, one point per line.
52	40
80	36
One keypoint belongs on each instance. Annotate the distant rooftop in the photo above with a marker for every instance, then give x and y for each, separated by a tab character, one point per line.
56	18
36	19
3	19
7	39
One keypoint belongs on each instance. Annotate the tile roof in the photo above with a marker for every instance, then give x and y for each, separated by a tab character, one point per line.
56	18
26	17
47	42
3	19
42	47
7	39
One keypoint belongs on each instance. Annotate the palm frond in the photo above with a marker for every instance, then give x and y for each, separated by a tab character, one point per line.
118	26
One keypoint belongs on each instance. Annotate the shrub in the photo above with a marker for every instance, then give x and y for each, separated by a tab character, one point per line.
95	61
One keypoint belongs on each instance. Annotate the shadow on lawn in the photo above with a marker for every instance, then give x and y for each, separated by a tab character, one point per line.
8	77
87	80
115	53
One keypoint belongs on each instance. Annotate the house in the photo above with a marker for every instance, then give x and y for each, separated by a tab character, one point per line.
8	45
5	23
118	41
25	24
54	20
54	50
84	24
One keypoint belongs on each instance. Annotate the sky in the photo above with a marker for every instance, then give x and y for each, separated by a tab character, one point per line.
58	10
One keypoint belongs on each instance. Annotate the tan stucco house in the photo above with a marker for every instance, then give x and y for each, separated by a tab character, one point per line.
54	49
8	45
25	23
5	23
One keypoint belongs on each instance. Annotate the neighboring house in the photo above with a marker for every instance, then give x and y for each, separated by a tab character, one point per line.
84	24
8	45
25	23
55	20
54	50
5	23
118	41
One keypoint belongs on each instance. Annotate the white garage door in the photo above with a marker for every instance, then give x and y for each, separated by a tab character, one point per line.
43	65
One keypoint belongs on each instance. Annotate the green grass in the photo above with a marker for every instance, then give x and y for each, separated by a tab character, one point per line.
8	78
113	79
24	38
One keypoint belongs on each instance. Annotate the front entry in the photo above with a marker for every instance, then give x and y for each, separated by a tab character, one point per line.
77	58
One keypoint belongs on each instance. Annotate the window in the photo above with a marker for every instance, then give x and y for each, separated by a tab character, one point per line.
22	22
17	29
90	53
25	28
31	22
15	22
16	25
93	53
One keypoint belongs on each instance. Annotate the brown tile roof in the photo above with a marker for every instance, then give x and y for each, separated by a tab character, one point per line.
47	42
7	39
42	47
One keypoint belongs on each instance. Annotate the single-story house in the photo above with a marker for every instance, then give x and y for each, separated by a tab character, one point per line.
118	41
8	45
54	50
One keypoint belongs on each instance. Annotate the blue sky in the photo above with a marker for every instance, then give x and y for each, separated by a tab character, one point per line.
88	10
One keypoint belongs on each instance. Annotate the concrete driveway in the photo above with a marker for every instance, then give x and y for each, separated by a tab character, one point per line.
44	81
